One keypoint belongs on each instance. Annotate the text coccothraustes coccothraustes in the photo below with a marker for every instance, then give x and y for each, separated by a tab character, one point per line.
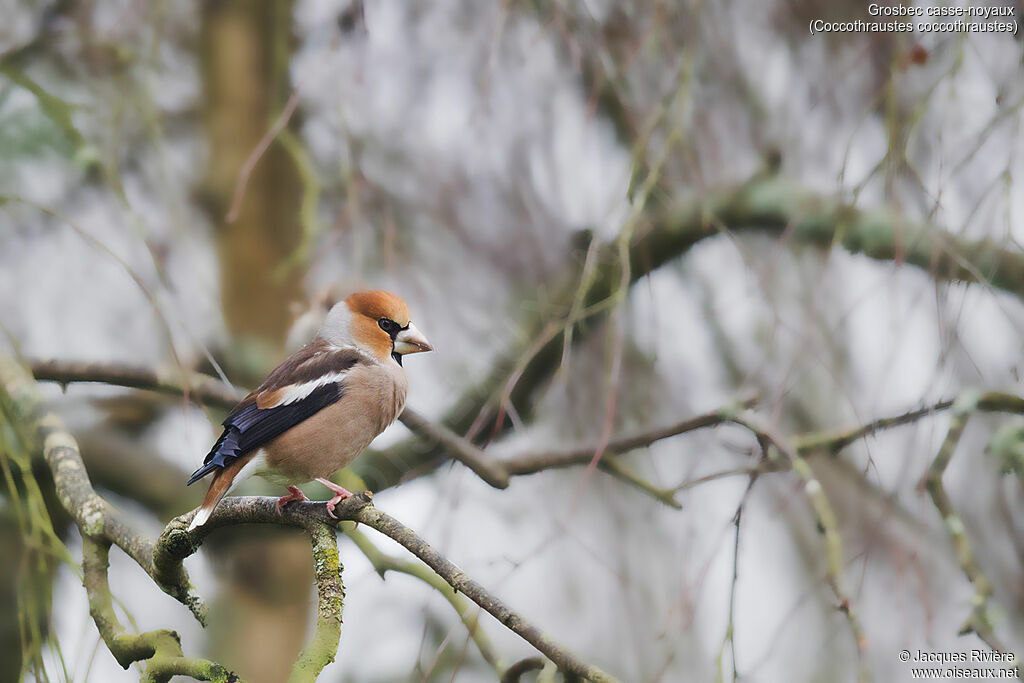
316	411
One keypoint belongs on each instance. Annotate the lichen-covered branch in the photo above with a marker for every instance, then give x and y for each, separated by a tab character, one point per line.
323	647
97	518
176	543
92	514
990	401
102	525
160	650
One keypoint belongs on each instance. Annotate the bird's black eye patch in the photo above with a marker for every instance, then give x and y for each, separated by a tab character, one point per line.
390	326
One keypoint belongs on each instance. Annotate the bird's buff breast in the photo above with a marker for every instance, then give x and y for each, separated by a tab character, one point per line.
333	437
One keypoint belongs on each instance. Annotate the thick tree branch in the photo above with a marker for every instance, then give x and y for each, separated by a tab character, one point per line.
176	543
161	650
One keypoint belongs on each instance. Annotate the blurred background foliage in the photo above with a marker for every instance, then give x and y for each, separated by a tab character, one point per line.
189	185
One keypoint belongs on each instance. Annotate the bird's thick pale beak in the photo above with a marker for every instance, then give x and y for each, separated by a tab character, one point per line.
411	340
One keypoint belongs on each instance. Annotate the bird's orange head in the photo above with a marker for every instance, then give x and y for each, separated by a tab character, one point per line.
377	322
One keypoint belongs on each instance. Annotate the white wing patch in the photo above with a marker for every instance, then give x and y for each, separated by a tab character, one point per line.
297	392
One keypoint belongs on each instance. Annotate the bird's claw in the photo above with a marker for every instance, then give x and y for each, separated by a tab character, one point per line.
333	502
293	494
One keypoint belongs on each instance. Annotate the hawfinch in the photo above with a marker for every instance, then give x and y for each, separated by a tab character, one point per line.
322	406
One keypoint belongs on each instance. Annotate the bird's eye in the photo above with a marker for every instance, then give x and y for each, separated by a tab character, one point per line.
390	326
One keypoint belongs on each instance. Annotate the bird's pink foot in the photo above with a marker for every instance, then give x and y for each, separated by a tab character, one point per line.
341	494
293	494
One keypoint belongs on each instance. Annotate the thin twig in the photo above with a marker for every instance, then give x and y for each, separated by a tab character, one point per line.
536	462
822	508
257	152
384	563
978	622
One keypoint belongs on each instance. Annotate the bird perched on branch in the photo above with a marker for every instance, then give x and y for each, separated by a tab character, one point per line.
321	407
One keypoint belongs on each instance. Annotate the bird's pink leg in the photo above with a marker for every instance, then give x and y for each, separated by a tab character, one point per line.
293	494
340	494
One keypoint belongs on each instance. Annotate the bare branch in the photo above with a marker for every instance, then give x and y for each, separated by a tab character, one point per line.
516	671
206	389
991	401
384	563
460	449
177	543
194	386
536	462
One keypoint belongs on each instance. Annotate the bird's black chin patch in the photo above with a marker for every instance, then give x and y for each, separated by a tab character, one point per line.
397	357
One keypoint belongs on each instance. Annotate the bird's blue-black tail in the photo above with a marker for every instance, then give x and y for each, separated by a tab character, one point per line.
221	455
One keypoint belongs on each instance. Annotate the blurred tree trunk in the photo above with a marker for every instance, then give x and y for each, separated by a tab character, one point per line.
260	620
245	49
